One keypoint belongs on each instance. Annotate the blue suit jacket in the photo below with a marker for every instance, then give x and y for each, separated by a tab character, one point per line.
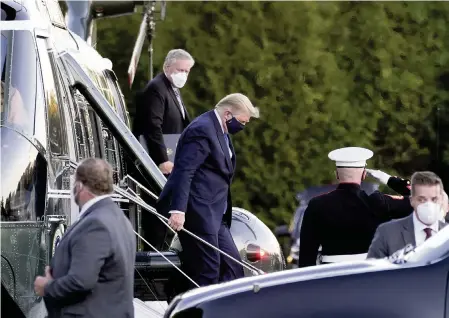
199	184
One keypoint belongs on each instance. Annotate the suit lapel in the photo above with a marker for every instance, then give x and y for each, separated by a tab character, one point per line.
222	140
408	233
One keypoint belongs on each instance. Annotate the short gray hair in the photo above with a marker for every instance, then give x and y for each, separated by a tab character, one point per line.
177	54
238	103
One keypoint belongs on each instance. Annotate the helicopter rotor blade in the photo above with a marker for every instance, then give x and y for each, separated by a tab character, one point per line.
138	45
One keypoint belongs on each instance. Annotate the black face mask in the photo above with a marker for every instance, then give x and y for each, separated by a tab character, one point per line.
234	126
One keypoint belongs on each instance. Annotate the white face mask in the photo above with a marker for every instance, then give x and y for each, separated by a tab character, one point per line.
429	212
179	79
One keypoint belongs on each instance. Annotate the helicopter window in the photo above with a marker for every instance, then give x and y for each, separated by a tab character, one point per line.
111	151
24	179
81	122
57	144
18	88
55	12
105	144
118	98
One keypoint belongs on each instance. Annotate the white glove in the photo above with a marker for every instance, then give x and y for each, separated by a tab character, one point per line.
379	175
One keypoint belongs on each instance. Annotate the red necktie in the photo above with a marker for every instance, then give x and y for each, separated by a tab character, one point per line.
428	231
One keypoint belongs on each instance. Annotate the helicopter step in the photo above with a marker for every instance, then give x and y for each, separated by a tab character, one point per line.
154	276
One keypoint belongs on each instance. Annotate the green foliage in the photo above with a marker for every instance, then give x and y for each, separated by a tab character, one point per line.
324	74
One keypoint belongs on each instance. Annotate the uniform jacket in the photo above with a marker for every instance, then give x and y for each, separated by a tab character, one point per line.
343	222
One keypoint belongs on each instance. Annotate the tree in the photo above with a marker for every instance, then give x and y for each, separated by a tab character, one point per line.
325	75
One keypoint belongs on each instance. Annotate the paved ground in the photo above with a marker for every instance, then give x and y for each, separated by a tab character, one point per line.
149	309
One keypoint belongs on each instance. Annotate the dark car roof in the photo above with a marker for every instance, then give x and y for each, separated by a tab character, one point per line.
252	285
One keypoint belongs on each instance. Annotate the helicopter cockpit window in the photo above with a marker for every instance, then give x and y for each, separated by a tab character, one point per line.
24	179
13	10
18	67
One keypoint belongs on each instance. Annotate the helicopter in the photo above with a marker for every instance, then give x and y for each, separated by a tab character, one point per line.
61	103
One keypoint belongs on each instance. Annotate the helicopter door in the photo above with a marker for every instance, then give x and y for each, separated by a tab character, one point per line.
58	201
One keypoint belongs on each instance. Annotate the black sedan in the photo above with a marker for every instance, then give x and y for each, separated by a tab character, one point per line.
411	284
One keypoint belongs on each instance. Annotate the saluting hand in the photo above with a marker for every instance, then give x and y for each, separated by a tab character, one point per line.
379	175
176	220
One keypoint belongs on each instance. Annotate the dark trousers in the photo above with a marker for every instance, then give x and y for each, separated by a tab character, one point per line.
205	265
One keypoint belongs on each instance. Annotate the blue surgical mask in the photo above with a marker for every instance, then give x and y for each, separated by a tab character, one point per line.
234	126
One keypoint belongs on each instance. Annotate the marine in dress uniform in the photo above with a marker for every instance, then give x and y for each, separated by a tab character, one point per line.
343	221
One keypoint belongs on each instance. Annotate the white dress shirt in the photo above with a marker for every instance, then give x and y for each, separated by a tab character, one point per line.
91	202
420	235
229	149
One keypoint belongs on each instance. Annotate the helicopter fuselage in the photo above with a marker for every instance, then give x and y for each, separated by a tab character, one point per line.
61	103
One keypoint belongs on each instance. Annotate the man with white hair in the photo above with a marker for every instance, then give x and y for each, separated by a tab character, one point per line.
161	116
160	109
343	222
197	195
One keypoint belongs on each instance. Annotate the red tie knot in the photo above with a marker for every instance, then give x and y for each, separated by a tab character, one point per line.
428	231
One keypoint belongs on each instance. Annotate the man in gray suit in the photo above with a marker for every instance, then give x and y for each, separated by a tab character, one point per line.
92	272
426	200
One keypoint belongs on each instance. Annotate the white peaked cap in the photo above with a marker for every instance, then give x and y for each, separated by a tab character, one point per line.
351	157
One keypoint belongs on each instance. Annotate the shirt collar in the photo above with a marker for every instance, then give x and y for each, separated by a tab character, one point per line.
219	120
419	226
91	202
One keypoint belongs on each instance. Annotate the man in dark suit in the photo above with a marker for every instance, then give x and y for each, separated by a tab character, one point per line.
426	199
92	271
160	109
343	222
197	193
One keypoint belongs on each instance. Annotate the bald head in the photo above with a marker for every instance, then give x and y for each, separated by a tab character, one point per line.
350	175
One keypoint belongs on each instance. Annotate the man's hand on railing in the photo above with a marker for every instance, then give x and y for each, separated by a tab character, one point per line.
166	167
176	220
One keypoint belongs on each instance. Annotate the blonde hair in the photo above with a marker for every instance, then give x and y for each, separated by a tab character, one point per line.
238	103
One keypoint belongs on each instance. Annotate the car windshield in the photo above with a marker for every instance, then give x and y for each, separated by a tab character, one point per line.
18	67
435	248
